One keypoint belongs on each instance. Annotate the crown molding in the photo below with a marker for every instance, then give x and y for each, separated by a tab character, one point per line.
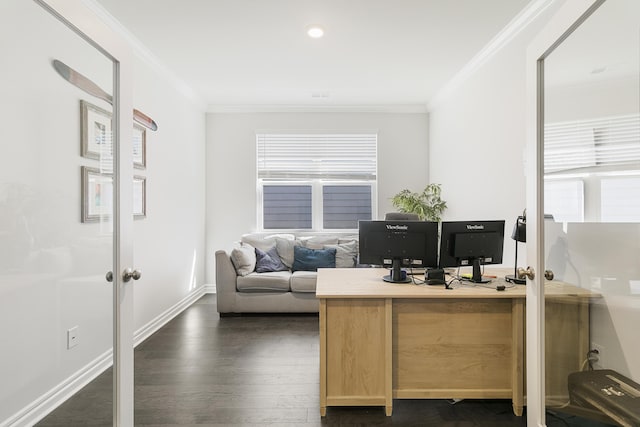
142	52
267	108
521	21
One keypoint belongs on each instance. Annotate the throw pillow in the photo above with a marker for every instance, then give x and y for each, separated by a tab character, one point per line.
285	250
346	254
306	259
243	258
268	261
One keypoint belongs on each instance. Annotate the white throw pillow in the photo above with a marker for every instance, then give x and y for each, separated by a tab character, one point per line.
346	254
285	250
243	258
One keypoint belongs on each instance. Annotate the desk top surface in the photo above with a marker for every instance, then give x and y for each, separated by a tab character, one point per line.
368	283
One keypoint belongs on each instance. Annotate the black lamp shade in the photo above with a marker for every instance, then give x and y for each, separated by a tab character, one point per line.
520	230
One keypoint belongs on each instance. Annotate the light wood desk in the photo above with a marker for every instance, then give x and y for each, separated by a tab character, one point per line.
382	341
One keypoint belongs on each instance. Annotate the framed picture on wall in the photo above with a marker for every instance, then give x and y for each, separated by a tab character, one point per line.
139	147
97	195
95	133
96	139
139	197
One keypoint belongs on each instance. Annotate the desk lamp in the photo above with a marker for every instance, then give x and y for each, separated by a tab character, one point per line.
519	235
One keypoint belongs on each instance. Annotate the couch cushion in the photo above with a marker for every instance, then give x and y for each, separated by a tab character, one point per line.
318	242
264	241
346	254
312	259
276	281
243	258
269	260
303	281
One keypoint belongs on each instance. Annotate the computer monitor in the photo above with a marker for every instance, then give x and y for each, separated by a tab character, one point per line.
471	243
396	242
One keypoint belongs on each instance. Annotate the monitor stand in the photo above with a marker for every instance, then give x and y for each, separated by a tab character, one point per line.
396	275
477	273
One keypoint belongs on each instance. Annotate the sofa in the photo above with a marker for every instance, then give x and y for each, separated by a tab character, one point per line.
276	273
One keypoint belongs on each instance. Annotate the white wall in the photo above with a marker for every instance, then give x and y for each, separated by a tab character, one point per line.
231	163
52	266
477	142
169	243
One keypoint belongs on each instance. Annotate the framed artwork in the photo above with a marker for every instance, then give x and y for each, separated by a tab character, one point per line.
139	196
97	195
96	140
139	147
95	132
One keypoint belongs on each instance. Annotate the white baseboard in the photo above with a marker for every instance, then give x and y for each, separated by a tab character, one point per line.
49	401
46	403
210	288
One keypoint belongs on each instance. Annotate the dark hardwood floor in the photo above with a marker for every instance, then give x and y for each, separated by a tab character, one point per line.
200	370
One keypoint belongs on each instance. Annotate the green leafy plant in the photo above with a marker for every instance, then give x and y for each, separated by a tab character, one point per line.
428	204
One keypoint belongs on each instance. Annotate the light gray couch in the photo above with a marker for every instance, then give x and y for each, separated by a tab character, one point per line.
240	289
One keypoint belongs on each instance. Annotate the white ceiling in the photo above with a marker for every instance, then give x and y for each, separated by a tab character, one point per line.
256	52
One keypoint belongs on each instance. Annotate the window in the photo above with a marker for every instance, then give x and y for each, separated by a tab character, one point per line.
315	181
605	154
620	199
564	200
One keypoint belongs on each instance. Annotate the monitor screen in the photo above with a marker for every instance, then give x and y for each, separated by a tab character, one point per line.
410	243
471	243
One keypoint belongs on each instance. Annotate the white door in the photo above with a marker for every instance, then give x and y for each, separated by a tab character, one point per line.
584	174
65	179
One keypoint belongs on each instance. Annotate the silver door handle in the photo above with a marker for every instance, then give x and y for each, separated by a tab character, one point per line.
529	273
548	274
127	275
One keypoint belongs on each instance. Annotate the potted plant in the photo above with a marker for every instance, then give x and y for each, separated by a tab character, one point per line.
428	204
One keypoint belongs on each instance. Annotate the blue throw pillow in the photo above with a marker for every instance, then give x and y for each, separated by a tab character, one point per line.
268	261
305	259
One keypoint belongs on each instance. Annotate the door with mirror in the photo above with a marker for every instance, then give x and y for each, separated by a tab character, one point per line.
58	219
591	192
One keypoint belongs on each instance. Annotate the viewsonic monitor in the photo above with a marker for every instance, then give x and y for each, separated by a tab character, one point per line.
471	243
413	243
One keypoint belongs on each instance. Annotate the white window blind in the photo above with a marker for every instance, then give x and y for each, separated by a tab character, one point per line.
609	141
324	156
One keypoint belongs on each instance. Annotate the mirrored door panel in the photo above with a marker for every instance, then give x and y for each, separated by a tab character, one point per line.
592	197
56	210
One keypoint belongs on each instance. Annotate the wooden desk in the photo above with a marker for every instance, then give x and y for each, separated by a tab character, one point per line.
380	341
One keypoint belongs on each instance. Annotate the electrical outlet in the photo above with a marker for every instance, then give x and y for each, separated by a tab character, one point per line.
72	337
600	364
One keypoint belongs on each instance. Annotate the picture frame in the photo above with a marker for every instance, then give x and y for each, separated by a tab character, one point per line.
96	138
139	147
95	133
139	197
97	195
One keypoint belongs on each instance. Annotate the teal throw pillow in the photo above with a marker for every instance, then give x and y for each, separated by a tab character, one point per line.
305	259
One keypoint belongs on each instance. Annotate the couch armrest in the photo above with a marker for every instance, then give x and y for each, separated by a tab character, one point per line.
225	282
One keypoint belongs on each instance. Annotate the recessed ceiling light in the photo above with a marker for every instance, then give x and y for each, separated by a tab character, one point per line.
315	31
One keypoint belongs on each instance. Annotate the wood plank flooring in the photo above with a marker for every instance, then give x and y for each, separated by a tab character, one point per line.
200	370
